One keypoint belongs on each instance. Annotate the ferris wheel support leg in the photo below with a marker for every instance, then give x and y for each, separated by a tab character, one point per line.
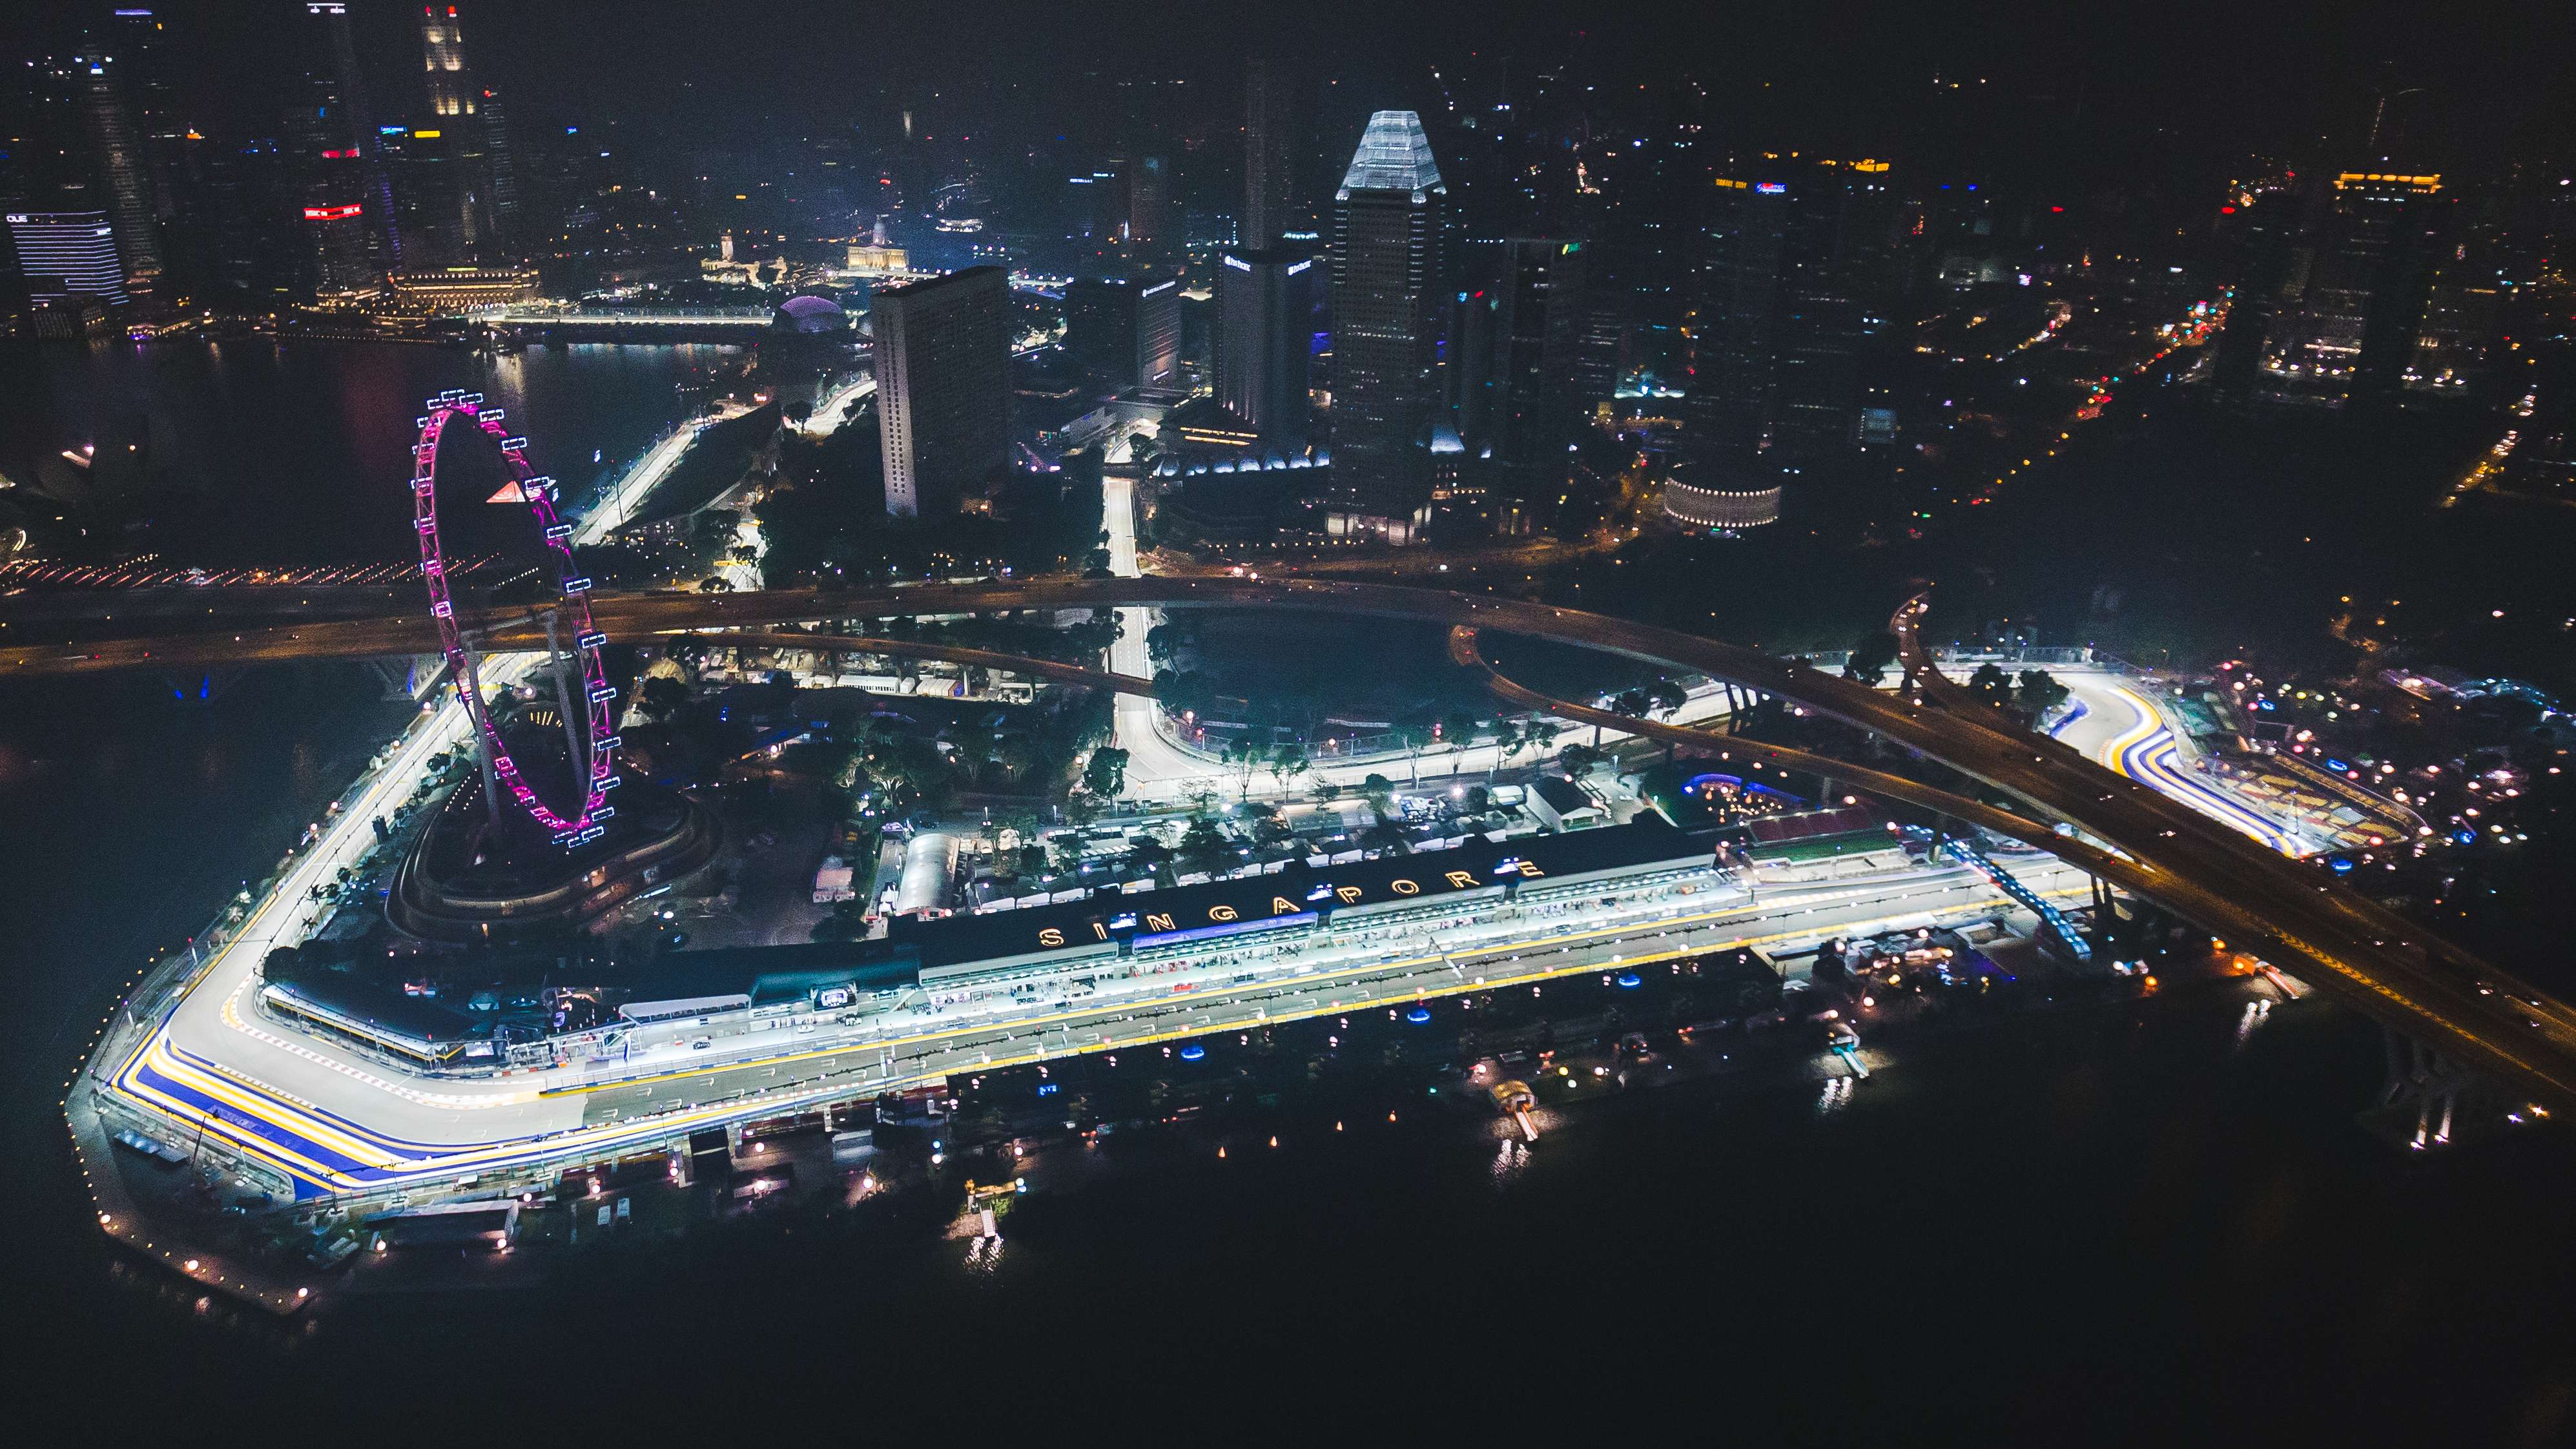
473	680
573	751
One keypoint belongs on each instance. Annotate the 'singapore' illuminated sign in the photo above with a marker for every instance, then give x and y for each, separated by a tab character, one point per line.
1159	923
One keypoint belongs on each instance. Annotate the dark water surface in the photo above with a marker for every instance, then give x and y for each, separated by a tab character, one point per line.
298	452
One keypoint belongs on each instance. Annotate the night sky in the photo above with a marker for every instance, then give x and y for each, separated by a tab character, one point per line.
2097	86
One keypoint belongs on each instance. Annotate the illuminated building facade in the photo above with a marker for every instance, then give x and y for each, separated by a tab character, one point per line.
67	254
458	182
1718	498
454	290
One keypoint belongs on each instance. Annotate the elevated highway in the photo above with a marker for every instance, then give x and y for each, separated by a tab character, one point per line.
2204	871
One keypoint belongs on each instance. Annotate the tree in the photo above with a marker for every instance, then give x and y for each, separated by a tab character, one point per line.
1183	691
714	584
1243	757
1667	696
1206	847
1580	759
1631	703
1991	685
1286	763
1164	642
847	921
1507	742
1379	791
1105	774
661	698
1267	827
1870	658
2040	692
1415	738
1147	853
1066	852
1458	728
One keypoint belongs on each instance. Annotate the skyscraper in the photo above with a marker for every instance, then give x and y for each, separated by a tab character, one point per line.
143	60
1388	254
1125	333
1265	303
341	222
2356	323
1793	301
334	52
1268	110
2262	234
1535	405
447	154
1149	200
125	168
943	362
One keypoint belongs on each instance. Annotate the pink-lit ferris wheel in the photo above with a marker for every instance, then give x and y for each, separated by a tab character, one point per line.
594	758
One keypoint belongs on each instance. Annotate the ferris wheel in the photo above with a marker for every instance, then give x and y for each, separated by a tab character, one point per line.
594	753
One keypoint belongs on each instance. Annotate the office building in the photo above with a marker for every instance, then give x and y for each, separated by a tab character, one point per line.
1265	302
126	170
1268	134
2260	236
2350	331
1149	200
943	363
1125	333
144	65
1532	408
445	173
1388	306
332	67
1796	278
64	255
342	214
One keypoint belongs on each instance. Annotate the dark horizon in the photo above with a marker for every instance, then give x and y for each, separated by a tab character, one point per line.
2090	92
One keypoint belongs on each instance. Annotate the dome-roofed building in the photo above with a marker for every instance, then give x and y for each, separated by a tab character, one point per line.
811	313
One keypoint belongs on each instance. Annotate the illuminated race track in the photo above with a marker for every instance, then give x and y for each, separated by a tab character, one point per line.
2204	870
2147	751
